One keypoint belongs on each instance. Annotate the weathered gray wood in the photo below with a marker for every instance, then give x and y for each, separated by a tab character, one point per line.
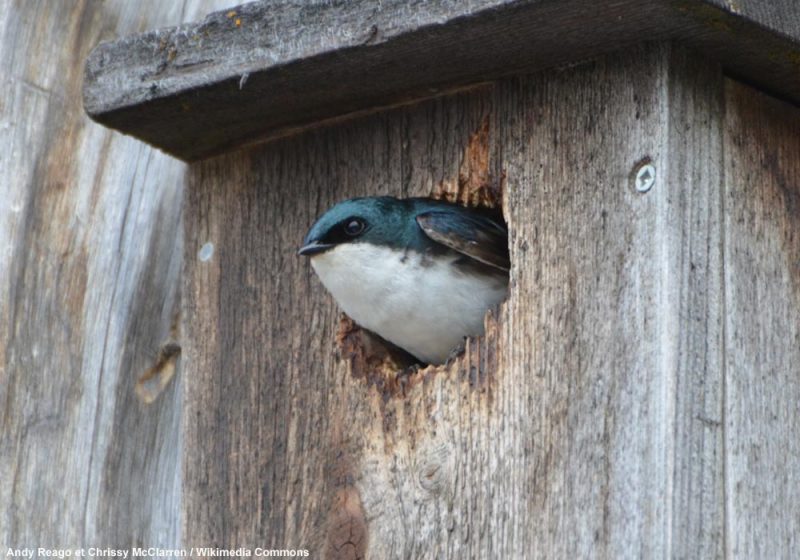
282	428
762	330
90	257
757	41
266	68
615	309
778	15
593	420
694	331
587	423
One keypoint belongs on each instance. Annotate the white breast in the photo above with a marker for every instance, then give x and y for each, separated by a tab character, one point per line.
425	307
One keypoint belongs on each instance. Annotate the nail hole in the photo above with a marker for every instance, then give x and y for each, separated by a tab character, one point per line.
206	252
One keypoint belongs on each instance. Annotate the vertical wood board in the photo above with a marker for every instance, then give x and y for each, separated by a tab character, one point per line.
90	259
762	328
616	299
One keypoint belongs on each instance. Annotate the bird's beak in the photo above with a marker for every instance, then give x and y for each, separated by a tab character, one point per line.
313	248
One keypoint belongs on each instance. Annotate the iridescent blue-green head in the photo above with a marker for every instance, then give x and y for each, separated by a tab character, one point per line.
382	220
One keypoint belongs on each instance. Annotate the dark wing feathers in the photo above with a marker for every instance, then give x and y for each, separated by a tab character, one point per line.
473	235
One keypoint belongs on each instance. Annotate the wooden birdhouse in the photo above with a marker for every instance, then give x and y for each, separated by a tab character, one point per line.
637	395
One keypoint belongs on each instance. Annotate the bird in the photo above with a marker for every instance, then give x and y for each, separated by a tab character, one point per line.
418	272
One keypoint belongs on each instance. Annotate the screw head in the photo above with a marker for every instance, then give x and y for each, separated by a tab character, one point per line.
645	177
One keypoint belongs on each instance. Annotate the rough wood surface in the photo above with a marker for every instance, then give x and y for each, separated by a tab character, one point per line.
762	338
90	257
268	67
778	15
616	302
587	423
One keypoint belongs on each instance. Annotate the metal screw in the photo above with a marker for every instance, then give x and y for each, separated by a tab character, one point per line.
645	177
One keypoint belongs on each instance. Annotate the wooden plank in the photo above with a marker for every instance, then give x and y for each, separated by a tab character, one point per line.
264	69
755	40
282	424
586	422
696	326
781	16
90	258
620	349
762	333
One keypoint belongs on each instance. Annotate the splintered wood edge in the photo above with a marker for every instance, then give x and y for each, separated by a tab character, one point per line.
266	69
390	370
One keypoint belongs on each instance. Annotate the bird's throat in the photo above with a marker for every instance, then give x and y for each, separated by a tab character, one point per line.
423	304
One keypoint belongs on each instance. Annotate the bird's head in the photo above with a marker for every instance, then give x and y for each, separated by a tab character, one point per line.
383	221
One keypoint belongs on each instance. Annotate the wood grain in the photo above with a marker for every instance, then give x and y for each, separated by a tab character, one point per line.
779	15
694	327
281	422
265	69
614	308
90	258
636	396
762	333
586	423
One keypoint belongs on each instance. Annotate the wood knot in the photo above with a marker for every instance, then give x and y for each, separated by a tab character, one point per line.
153	381
434	469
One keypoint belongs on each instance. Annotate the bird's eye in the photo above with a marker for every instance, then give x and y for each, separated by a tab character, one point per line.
354	226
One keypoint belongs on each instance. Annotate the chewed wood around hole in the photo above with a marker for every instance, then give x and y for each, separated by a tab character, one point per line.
392	371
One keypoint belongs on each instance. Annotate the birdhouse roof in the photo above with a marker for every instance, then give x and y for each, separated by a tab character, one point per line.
269	68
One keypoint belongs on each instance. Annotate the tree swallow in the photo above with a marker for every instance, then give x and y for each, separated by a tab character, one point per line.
418	272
